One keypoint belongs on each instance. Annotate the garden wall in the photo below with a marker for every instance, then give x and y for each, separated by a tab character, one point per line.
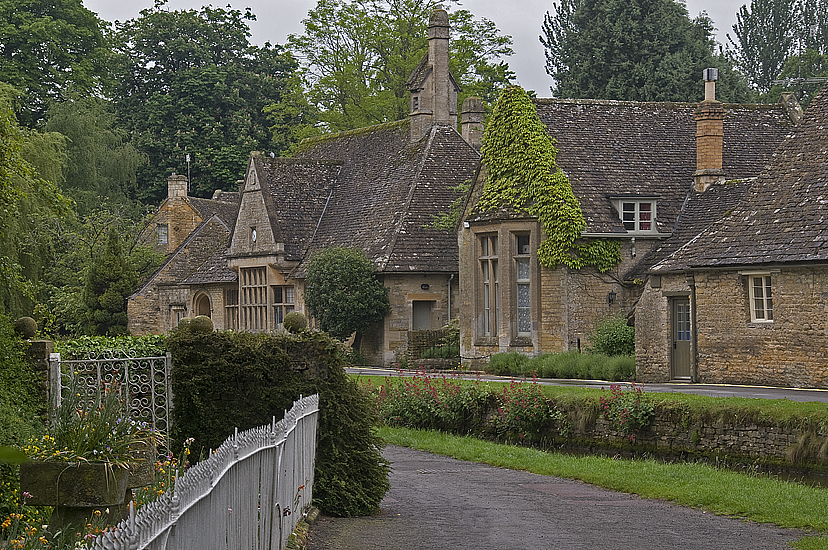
665	436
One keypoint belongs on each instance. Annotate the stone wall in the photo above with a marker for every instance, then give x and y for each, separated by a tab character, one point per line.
792	351
669	438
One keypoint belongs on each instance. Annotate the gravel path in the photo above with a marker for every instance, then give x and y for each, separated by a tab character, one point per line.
439	502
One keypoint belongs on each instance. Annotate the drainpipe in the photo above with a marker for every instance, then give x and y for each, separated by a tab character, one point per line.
448	316
694	335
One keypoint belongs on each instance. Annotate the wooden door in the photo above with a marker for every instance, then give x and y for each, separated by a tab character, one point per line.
680	335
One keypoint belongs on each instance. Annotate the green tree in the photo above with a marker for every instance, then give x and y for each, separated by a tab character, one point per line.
770	38
29	204
190	83
49	48
636	50
358	55
522	175
343	294
109	282
101	165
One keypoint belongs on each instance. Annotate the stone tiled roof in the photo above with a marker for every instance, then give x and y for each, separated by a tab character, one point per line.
225	207
387	191
188	262
699	211
215	269
621	148
783	216
297	191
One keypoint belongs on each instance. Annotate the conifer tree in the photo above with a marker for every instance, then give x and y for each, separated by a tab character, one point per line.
110	281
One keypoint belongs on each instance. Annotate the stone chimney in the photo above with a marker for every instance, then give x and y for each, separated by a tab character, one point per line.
709	117
433	90
176	186
471	123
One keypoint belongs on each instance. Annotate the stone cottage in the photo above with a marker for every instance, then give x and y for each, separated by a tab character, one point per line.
633	167
375	188
740	295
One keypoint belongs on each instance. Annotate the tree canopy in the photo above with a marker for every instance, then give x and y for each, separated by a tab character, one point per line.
770	36
638	50
110	281
342	293
190	83
49	48
358	54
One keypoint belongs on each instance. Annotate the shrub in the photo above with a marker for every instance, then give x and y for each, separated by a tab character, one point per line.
524	412
217	375
201	323
138	346
26	327
613	336
427	402
628	411
507	363
295	322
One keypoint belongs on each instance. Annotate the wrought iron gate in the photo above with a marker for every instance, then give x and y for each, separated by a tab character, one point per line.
145	382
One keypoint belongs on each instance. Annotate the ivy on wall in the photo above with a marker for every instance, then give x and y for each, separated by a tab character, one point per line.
523	175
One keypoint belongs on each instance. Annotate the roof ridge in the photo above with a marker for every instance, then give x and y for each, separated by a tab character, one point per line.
314	140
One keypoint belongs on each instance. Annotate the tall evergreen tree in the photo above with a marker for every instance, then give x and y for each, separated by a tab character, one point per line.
639	50
110	281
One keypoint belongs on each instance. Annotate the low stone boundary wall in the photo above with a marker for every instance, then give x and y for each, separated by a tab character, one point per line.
751	443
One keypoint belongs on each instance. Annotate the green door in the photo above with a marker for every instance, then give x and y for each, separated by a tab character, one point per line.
680	332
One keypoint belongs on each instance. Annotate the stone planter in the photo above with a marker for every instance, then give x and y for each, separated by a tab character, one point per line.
76	484
76	490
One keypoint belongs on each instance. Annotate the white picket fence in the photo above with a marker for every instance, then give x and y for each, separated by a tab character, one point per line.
248	495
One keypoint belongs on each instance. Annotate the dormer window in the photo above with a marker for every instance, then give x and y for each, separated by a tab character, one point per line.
637	214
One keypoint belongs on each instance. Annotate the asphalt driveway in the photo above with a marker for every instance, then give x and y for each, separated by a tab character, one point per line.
437	502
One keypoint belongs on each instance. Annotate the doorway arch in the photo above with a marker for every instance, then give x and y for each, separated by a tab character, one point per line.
203	305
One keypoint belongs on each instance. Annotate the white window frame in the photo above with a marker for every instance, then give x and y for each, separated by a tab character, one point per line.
637	214
761	297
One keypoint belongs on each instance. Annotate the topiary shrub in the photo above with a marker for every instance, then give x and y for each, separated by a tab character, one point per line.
295	322
26	327
613	336
215	377
201	323
184	323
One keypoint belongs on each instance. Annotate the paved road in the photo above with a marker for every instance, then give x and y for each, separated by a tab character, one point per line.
723	390
437	502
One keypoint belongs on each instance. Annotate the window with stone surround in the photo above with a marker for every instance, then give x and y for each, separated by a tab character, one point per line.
488	284
162	233
523	288
761	298
283	303
231	308
253	307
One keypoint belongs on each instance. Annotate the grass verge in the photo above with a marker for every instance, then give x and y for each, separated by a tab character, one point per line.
759	498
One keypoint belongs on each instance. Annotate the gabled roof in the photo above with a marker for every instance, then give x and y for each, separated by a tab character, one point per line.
784	215
205	242
225	206
387	191
295	192
418	76
623	148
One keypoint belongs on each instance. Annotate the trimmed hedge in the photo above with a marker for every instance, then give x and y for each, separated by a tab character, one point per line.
224	380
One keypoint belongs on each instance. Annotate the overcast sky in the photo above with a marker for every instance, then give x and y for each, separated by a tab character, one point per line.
521	19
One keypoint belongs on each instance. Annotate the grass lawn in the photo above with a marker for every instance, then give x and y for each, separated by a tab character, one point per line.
758	498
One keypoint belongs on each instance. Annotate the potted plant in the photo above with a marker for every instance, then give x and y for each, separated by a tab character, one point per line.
90	457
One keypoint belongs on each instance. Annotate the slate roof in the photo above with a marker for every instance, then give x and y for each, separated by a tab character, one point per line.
295	193
387	191
623	148
225	207
783	217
